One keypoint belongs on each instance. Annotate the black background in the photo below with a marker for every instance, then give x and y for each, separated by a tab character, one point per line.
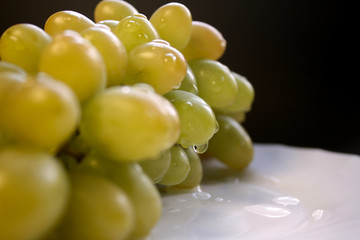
299	56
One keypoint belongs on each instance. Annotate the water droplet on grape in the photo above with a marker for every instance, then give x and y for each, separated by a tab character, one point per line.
200	148
216	127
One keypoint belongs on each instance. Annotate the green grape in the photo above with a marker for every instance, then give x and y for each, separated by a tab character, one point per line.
205	42
42	112
135	30
240	117
197	120
33	193
179	167
113	10
9	81
157	64
189	82
97	209
112	50
244	98
6	67
129	124
173	22
231	144
75	61
22	44
67	20
156	168
216	85
110	23
139	188
195	175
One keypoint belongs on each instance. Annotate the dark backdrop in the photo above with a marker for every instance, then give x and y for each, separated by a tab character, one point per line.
299	55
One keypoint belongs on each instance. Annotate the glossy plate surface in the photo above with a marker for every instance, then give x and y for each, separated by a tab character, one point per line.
286	193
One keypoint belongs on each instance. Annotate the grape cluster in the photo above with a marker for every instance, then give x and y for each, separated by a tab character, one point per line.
96	115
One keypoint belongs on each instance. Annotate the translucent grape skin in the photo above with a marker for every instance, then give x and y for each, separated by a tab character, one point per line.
156	168
216	85
129	124
97	209
67	20
157	64
22	44
112	50
112	24
231	144
113	10
189	83
197	120
139	188
193	179
179	167
41	112
33	193
173	22
75	61
205	42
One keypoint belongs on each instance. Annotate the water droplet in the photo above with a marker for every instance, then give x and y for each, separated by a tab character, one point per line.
180	200
201	148
268	210
286	200
174	210
317	214
216	127
219	199
202	195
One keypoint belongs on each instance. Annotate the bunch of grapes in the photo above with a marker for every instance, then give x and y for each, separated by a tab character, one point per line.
95	115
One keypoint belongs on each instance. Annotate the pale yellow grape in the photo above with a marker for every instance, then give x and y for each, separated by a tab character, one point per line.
97	209
156	168
113	10
195	175
22	44
179	167
110	23
75	61
129	124
157	64
231	144
33	193
205	42
189	83
42	113
135	30
173	21
67	20
139	188
112	50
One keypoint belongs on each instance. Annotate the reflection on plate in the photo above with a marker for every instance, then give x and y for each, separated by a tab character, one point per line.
286	193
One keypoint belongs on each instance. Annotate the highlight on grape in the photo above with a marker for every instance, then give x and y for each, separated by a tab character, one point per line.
99	113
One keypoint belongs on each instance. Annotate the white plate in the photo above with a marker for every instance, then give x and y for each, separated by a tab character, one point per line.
286	193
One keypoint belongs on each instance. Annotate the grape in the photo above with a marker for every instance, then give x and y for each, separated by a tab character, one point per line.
197	120
112	50
75	61
157	64
244	98
205	42
113	10
97	209
22	44
194	177
173	22
189	82
135	30
67	20
6	67
41	112
216	85
129	124
112	24
156	168
231	144
33	193
139	188
179	167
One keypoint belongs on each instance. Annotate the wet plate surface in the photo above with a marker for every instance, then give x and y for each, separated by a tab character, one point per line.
286	193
